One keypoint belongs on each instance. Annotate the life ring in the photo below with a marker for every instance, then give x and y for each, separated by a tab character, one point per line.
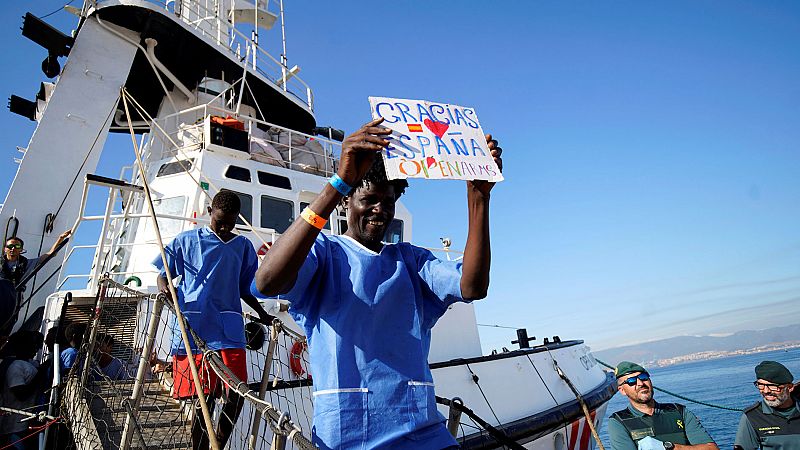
296	358
262	251
133	278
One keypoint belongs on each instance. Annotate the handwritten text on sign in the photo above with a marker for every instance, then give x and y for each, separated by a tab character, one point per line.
434	140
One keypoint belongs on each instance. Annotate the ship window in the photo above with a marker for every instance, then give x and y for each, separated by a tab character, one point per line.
247	206
303	206
171	168
172	206
270	179
394	233
238	173
276	214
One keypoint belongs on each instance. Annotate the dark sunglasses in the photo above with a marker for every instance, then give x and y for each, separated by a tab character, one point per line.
767	387
631	381
12	246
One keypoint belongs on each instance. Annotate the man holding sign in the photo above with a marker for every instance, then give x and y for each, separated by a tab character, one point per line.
367	308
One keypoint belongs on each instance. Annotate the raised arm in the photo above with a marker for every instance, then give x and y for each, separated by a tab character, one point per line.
278	273
61	238
477	253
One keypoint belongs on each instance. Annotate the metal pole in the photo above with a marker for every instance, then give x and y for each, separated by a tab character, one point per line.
53	391
283	55
262	391
98	309
212	436
100	245
144	365
454	416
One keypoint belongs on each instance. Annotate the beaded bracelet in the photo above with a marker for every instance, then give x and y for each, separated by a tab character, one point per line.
313	218
339	184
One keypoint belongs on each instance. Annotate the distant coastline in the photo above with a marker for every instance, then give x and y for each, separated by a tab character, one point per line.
683	349
716	354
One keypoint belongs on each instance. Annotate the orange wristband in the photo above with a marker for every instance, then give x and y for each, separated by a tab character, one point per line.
313	219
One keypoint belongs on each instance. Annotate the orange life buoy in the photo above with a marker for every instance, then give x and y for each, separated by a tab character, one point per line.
296	358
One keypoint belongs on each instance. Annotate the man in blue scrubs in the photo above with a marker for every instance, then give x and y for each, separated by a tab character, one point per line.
216	268
367	308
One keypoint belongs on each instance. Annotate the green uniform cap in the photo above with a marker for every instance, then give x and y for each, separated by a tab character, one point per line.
774	372
626	367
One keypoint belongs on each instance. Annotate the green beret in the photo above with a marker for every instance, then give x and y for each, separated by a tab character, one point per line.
626	367
774	372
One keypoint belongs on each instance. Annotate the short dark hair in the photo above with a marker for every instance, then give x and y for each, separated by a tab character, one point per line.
377	174
75	332
227	202
14	238
103	338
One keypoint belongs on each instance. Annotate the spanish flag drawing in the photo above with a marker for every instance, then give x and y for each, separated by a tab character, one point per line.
415	128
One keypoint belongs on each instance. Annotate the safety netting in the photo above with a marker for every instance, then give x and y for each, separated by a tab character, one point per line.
121	390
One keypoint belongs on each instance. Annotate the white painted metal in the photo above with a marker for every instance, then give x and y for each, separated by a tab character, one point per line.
97	68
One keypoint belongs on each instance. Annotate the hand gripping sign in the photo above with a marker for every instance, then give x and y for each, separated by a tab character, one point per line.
434	140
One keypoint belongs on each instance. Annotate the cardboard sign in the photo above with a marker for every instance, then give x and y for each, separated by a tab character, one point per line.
434	140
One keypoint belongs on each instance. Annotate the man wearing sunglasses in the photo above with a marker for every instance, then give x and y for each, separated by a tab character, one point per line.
773	422
649	425
13	268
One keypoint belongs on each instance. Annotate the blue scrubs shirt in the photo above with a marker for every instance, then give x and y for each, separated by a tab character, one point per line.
368	319
214	275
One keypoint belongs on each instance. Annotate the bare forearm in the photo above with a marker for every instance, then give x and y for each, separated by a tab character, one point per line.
477	253
283	260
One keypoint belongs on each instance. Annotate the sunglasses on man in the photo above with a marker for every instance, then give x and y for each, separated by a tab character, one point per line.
631	381
13	246
767	386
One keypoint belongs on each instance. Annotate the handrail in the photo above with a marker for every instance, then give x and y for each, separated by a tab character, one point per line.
219	23
161	147
110	222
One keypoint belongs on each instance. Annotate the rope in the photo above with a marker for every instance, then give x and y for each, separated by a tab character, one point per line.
197	182
578	396
475	379
85	159
683	397
497	434
36	430
212	437
57	10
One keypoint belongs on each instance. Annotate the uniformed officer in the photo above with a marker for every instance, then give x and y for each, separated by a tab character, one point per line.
648	425
774	422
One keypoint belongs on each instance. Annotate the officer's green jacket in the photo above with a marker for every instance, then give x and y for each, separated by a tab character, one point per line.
670	422
763	427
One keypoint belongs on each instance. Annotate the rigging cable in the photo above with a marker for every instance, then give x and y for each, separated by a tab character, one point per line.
57	10
497	434
85	159
475	378
141	110
682	397
584	407
213	442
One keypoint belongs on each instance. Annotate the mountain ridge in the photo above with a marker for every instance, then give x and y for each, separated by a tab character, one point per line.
683	346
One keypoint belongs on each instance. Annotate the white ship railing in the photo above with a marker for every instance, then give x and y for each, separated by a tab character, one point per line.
111	237
208	22
188	121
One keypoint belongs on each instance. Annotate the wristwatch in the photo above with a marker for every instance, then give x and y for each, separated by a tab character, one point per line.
668	445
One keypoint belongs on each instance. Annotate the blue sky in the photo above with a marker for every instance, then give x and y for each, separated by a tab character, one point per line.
652	150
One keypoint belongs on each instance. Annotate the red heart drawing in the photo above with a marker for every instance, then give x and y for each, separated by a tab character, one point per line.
438	128
430	161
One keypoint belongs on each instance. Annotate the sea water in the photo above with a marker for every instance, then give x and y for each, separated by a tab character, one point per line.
724	381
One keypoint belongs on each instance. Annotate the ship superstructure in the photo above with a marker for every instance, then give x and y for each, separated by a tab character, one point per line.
208	110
